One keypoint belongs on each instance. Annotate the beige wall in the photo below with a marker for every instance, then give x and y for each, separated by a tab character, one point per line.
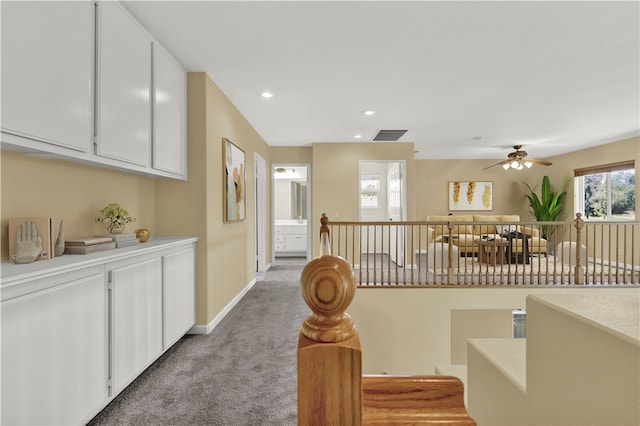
432	177
225	257
564	165
296	154
335	178
73	192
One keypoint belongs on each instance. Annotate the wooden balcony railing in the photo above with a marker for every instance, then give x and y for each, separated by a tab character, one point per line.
418	254
331	388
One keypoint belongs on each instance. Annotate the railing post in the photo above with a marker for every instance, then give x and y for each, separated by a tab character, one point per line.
450	254
579	270
325	241
329	354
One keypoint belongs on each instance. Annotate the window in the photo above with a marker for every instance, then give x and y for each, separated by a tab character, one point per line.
369	188
606	192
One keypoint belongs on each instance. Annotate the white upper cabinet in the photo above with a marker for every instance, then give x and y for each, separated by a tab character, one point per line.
47	74
124	87
169	144
85	81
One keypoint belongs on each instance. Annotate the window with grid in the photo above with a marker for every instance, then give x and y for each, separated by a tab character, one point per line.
606	192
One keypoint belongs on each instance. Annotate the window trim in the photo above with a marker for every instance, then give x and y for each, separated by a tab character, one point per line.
611	167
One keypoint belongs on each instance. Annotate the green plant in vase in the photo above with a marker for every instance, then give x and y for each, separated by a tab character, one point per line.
547	206
115	217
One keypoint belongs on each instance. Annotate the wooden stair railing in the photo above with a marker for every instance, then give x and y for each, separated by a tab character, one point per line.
331	388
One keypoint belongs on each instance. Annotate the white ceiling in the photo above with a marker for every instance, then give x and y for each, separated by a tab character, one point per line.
554	77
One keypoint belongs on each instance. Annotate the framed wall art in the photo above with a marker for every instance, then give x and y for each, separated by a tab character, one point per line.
233	181
470	195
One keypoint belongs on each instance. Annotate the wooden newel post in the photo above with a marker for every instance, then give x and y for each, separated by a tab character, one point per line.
329	355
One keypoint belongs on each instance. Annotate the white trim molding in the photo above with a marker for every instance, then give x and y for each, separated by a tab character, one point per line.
208	328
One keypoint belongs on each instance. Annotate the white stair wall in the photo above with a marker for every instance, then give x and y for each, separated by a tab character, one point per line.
580	364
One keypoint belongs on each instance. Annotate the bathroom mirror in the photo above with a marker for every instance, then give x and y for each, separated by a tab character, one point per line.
298	200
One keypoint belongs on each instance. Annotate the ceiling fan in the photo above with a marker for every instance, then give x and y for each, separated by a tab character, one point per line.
518	160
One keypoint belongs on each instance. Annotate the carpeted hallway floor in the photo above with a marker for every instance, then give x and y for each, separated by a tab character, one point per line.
242	373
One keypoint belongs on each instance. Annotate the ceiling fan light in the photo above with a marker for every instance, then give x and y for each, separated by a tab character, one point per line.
514	164
528	164
506	166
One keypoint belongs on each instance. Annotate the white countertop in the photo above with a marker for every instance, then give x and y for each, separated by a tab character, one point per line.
11	272
291	222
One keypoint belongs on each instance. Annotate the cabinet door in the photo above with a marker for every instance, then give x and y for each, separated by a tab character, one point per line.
178	298
169	86
124	87
296	242
54	354
47	72
136	319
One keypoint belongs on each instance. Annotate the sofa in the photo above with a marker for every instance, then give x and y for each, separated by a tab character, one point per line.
468	230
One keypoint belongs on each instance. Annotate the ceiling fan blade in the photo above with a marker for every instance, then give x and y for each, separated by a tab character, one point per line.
543	162
497	164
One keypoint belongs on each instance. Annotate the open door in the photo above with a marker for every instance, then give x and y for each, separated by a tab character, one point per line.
382	198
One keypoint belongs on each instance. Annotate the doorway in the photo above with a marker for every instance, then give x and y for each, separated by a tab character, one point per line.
383	198
291	208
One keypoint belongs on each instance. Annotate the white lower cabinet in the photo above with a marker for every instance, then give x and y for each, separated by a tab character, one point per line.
290	239
178	295
136	319
77	329
54	352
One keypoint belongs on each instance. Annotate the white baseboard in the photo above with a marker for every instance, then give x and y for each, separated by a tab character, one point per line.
208	328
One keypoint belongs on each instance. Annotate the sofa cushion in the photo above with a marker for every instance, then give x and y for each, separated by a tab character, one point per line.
485	229
457	229
510	227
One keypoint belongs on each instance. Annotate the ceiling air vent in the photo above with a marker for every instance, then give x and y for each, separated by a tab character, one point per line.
389	135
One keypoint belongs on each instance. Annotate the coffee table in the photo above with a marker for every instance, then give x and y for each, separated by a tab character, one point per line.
492	252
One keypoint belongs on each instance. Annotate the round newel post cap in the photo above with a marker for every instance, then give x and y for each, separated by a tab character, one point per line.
328	285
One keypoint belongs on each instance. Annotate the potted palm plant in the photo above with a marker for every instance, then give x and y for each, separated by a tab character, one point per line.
547	206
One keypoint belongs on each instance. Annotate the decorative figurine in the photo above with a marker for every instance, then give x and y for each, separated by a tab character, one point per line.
59	248
142	234
28	243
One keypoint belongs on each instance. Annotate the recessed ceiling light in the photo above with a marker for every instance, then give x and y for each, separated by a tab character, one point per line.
357	136
266	95
369	112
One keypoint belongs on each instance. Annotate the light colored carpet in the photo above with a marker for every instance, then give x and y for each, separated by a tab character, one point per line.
242	373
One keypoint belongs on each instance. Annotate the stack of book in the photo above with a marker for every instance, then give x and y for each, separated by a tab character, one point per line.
123	240
88	245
